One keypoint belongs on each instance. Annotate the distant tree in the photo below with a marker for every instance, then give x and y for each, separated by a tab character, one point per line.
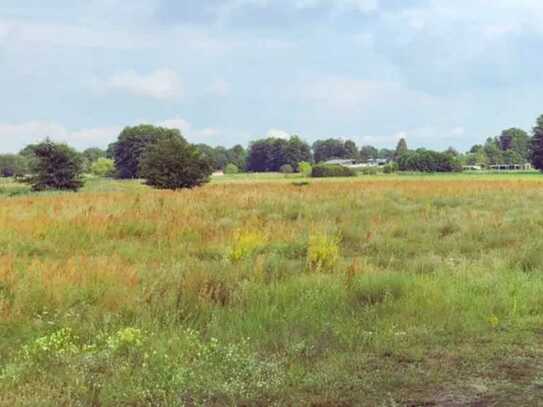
368	152
90	156
13	165
172	163
512	157
55	166
537	144
295	152
401	148
237	155
324	150
517	141
386	154
279	157
476	148
231	169
351	149
209	152
93	154
493	151
476	158
132	142
220	157
272	153
286	169
452	152
29	151
260	157
103	167
428	161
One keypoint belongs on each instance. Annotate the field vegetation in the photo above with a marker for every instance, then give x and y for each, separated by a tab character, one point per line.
271	290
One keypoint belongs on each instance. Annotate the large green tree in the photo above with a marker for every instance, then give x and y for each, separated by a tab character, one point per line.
537	144
295	152
352	150
324	150
132	142
272	153
55	166
237	155
428	161
493	151
368	152
401	148
172	163
90	156
221	156
516	141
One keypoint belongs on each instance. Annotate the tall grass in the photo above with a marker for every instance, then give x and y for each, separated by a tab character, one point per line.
362	292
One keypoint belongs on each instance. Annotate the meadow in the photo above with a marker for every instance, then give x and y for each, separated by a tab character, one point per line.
400	290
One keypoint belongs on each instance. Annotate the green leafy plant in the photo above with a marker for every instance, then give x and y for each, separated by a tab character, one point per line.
323	252
231	169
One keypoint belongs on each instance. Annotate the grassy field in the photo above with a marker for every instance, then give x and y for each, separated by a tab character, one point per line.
402	290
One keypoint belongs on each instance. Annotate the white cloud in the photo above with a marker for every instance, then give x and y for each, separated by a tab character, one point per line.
276	133
14	136
346	95
207	135
176	123
363	6
161	84
458	132
21	33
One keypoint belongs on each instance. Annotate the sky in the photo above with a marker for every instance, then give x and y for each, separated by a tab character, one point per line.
438	72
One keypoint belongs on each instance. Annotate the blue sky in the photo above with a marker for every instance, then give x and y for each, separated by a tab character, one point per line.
438	72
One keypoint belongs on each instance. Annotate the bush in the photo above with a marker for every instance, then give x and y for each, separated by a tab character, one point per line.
172	163
55	166
390	168
231	169
286	169
327	170
370	171
428	161
103	167
305	168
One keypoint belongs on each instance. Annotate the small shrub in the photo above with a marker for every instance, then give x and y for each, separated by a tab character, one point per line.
245	245
327	170
286	169
370	171
305	168
103	167
390	168
125	339
323	252
231	169
55	345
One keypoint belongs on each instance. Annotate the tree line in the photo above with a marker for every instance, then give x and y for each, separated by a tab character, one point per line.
167	160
